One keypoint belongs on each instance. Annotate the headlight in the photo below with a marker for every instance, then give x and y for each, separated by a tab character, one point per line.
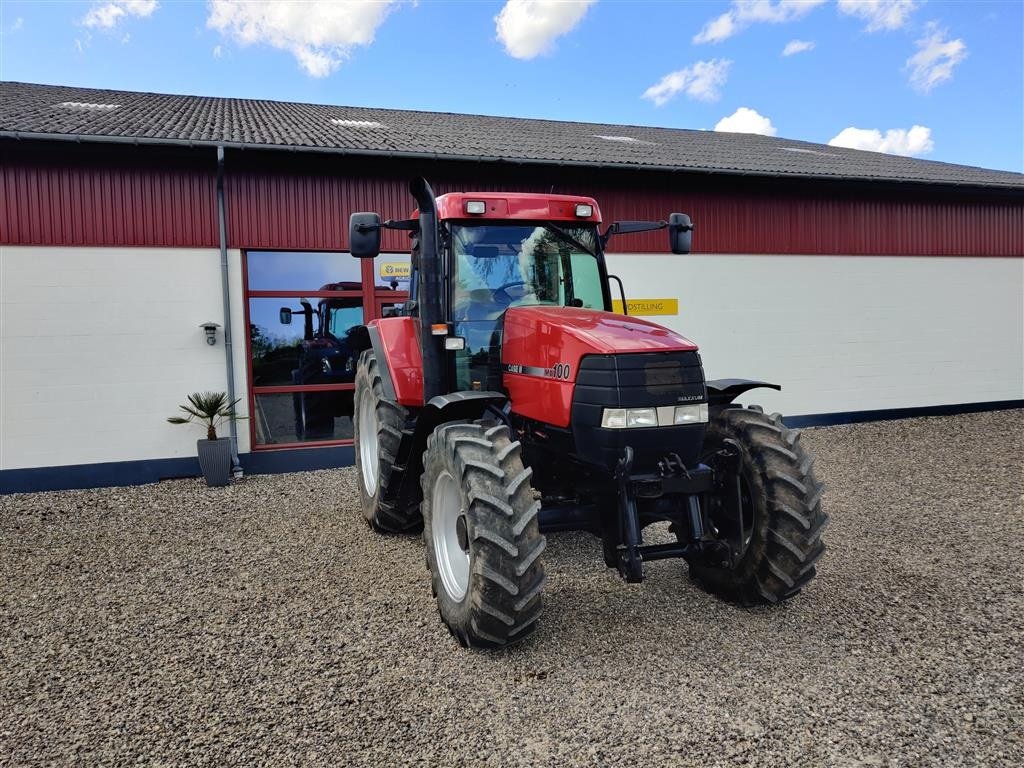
665	416
641	417
614	418
691	414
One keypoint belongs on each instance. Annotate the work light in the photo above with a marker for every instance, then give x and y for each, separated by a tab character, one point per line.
476	206
584	211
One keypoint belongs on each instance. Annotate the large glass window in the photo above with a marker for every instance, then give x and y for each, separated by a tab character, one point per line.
302	271
307	315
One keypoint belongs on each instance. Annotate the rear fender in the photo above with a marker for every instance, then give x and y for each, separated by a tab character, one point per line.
724	391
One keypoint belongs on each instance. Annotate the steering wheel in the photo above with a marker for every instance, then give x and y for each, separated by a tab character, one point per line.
502	296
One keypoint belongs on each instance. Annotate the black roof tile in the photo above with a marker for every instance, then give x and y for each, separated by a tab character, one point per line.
28	109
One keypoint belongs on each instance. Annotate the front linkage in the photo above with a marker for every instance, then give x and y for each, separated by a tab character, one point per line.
690	488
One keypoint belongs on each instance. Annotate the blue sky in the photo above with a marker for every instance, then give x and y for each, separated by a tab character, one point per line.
865	72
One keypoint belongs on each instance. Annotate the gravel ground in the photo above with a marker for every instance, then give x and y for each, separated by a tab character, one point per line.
264	624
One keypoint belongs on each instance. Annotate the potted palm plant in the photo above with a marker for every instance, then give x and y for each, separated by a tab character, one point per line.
211	409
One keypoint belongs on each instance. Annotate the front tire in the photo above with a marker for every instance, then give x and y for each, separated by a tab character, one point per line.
482	535
377	428
781	507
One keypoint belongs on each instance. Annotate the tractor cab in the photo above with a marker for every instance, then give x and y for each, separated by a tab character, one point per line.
498	265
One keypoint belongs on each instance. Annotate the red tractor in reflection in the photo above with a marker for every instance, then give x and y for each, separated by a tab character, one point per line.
507	400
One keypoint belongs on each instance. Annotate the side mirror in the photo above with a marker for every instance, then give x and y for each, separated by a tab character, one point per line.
364	235
285	316
680	233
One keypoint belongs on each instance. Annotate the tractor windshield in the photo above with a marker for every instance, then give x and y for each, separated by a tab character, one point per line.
515	265
497	267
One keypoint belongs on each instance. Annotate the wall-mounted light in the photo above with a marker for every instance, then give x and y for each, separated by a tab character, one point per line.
211	331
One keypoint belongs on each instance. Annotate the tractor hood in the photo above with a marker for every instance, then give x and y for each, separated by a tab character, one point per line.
555	333
542	349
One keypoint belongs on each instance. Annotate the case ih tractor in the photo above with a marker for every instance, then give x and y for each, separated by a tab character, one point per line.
507	400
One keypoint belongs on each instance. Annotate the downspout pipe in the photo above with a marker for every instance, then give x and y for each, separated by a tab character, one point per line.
225	283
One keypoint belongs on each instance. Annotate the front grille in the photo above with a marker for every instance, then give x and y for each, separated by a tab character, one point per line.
640	379
636	380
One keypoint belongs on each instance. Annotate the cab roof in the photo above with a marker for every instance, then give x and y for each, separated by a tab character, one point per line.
517	205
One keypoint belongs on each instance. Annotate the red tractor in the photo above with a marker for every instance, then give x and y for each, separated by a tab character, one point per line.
507	400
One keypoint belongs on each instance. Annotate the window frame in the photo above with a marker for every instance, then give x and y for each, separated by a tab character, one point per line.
372	299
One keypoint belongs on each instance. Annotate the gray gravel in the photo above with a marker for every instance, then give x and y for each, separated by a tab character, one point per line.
264	624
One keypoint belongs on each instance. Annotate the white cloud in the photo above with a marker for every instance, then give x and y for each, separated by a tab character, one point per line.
126	38
528	28
700	81
743	13
746	120
935	58
896	141
320	35
18	24
718	29
797	46
217	52
880	14
109	14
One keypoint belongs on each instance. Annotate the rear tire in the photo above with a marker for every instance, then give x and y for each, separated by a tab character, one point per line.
377	427
482	535
783	502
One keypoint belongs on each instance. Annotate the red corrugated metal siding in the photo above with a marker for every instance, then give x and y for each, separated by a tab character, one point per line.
780	223
292	205
95	206
306	212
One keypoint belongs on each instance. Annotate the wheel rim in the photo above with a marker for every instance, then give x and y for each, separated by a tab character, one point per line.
452	559
368	461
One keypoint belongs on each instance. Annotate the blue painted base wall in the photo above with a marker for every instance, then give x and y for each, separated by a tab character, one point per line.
153	470
305	459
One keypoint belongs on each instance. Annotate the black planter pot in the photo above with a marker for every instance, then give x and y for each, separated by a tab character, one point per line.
215	460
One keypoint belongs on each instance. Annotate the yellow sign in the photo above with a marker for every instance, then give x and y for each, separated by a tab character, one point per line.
395	270
648	306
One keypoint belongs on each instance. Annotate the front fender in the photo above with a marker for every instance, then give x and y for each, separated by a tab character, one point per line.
455	406
724	391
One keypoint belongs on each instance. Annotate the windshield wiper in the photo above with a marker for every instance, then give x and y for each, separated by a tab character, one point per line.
569	238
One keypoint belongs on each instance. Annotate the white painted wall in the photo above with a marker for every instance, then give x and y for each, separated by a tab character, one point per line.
846	333
98	346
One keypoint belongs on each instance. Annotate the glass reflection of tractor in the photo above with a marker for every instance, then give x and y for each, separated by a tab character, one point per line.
327	355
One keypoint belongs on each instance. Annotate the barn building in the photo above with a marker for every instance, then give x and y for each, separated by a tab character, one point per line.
869	286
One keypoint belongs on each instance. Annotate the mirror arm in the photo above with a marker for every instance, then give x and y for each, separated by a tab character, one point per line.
411	225
627	227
